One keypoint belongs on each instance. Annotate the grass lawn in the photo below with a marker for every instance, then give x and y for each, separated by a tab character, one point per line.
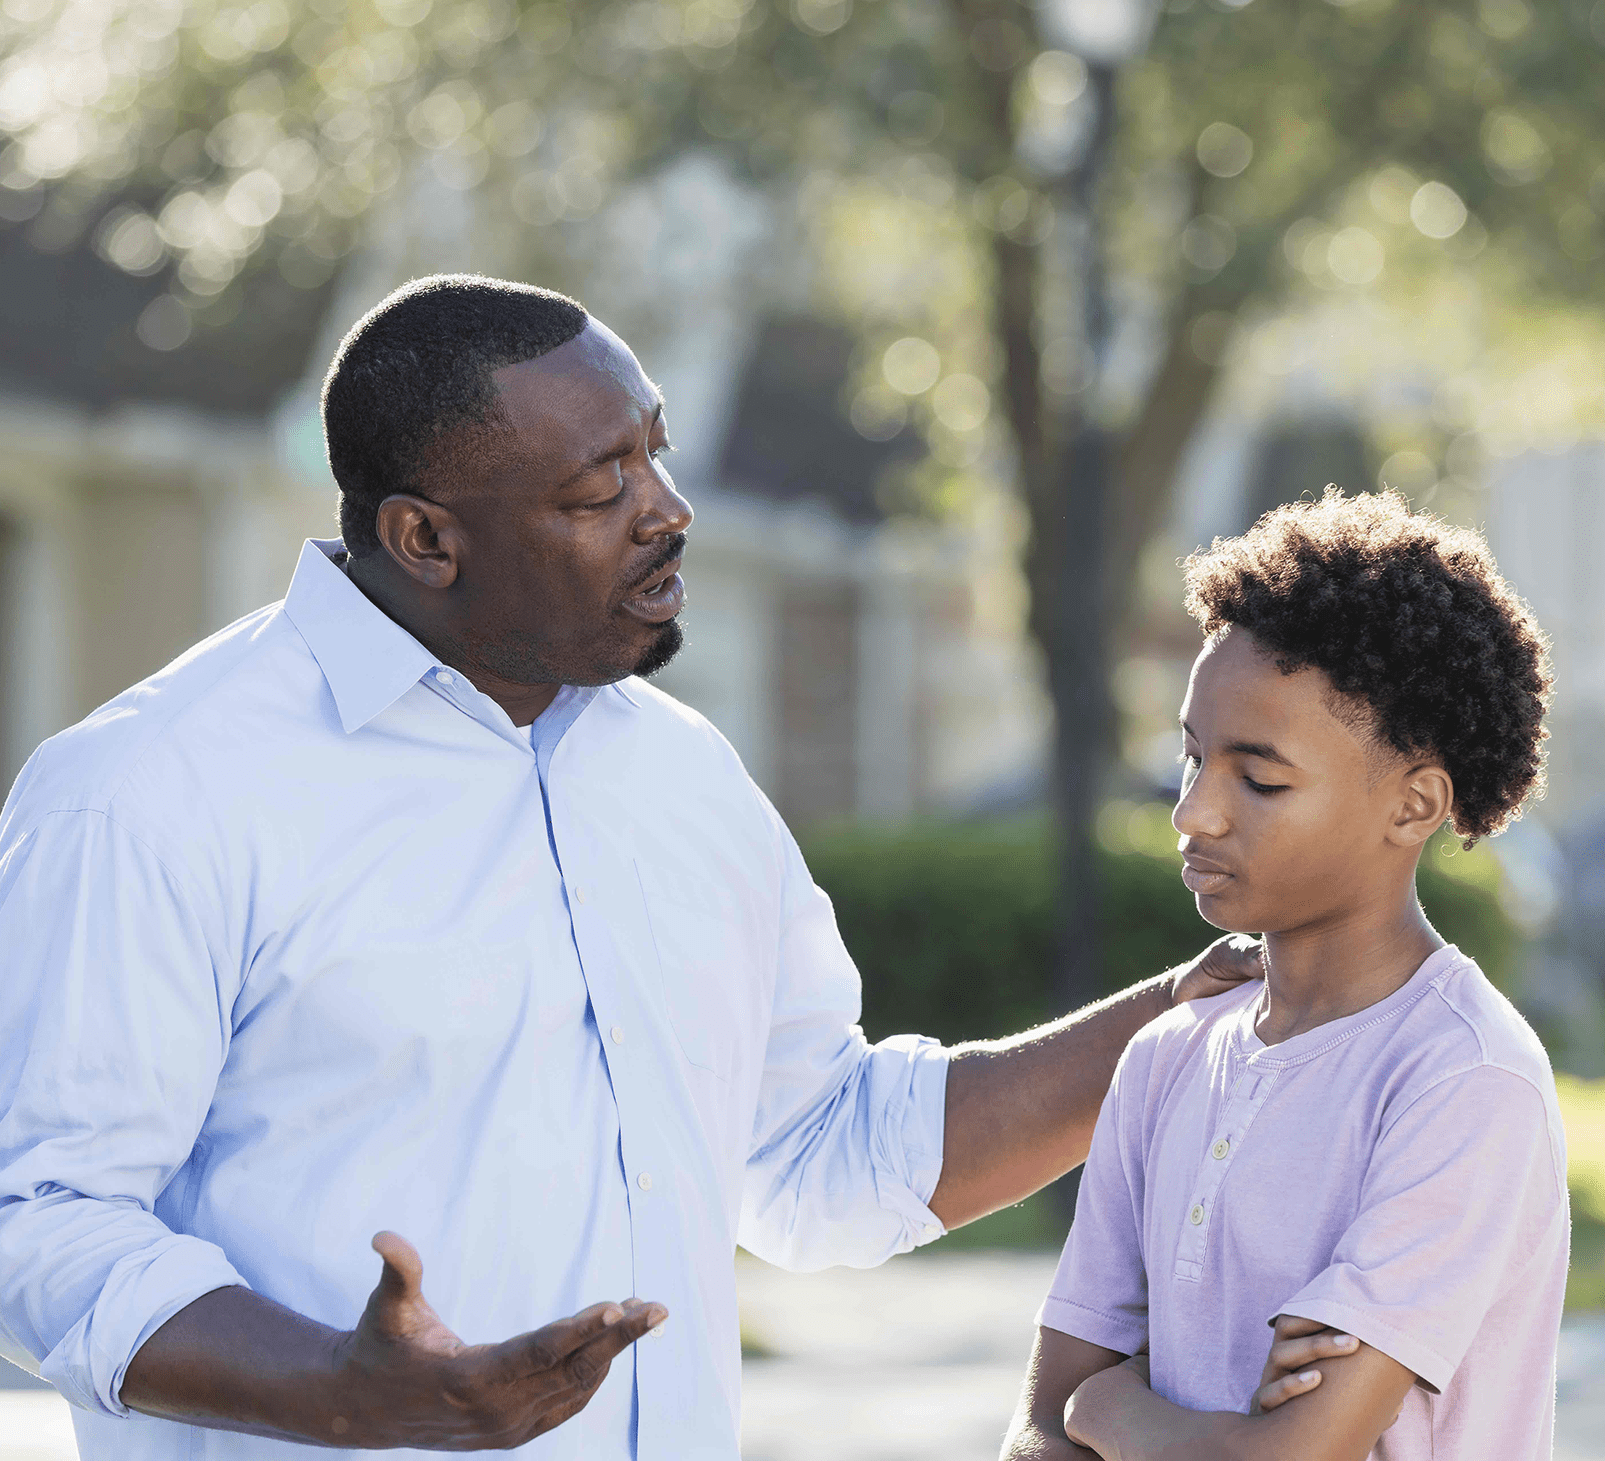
1037	1222
1582	1107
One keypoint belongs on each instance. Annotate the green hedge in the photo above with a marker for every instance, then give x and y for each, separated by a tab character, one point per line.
952	924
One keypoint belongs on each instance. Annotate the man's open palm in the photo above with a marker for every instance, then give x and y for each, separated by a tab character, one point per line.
421	1386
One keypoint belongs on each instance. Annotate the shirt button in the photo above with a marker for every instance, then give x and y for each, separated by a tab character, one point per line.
1220	1149
644	1181
1196	1216
579	895
656	1333
446	677
617	1034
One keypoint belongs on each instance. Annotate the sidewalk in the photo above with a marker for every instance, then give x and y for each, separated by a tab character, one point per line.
921	1360
917	1361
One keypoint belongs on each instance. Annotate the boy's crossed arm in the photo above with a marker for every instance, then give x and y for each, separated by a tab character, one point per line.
1078	1392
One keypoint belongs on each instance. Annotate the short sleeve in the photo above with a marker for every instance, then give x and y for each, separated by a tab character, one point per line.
1462	1191
1100	1291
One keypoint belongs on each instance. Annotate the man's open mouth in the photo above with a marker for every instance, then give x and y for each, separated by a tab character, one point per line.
659	599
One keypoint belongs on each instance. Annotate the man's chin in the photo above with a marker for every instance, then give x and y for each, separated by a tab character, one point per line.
667	643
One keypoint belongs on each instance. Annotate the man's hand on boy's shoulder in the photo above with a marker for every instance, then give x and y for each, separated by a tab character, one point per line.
1224	965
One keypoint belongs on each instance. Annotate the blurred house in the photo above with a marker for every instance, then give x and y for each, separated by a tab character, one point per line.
157	477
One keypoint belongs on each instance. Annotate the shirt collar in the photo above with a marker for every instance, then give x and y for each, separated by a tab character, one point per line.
368	659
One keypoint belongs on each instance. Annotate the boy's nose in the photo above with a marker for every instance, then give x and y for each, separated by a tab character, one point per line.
1197	812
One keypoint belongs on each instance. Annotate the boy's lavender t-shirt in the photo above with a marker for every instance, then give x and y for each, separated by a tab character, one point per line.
1399	1174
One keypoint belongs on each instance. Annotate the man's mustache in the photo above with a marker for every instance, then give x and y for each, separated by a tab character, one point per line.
673	547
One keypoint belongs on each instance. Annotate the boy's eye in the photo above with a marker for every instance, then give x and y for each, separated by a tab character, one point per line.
658	451
1262	788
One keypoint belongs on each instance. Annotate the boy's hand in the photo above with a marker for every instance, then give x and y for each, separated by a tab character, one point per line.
1224	965
1297	1345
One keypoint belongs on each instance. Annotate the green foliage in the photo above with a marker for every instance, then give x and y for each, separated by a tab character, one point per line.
1460	891
276	127
1582	1108
953	924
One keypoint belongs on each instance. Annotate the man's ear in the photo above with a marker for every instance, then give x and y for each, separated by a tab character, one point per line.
423	538
1426	797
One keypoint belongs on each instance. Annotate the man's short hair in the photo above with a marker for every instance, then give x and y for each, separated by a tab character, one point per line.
1412	623
418	365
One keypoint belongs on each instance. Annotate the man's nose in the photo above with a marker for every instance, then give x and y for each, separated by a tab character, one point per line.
666	513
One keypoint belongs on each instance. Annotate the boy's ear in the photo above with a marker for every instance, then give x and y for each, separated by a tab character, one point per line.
1427	796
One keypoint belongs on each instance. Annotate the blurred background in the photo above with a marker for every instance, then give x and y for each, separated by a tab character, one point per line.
973	316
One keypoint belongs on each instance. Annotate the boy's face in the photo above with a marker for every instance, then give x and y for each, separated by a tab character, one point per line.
1284	822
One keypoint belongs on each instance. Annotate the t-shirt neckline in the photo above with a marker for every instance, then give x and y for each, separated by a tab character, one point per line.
1311	1043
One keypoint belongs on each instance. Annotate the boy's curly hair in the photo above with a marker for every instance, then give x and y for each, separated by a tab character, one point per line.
1407	615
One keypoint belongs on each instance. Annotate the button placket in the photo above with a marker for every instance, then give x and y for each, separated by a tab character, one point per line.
638	1148
1249	1094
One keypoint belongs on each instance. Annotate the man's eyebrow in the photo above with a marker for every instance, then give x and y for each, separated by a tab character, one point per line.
621	448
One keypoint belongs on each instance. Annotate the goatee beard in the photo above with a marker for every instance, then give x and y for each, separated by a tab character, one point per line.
670	640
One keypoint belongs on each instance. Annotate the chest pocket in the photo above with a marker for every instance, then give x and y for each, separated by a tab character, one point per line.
703	950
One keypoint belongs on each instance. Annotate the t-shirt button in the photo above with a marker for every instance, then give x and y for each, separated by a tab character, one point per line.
1196	1216
1220	1149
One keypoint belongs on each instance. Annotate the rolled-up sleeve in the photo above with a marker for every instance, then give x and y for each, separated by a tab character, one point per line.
847	1142
115	1031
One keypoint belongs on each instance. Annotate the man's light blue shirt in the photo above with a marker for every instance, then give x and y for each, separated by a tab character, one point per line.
293	952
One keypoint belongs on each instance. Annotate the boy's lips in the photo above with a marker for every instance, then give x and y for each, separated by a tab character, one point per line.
1203	876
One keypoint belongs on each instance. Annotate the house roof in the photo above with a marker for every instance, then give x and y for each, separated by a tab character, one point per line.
790	438
68	321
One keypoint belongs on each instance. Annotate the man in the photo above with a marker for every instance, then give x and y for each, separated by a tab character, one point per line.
406	904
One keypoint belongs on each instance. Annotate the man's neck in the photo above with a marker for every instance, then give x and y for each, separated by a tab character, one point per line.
1342	966
523	703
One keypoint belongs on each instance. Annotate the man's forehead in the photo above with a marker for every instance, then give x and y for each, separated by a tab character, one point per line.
593	357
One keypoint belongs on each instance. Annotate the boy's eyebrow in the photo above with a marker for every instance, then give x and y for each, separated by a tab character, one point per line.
1264	750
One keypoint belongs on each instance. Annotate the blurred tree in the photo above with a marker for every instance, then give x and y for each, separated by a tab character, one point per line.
1262	150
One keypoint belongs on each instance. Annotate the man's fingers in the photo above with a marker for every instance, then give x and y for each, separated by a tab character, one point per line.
1294	1354
1224	965
609	1327
1235	958
403	1273
1289	1387
588	1365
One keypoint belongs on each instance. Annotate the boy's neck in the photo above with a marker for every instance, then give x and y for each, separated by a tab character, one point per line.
1323	973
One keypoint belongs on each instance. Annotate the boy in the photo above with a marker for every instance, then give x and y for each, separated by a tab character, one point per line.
1369	1141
